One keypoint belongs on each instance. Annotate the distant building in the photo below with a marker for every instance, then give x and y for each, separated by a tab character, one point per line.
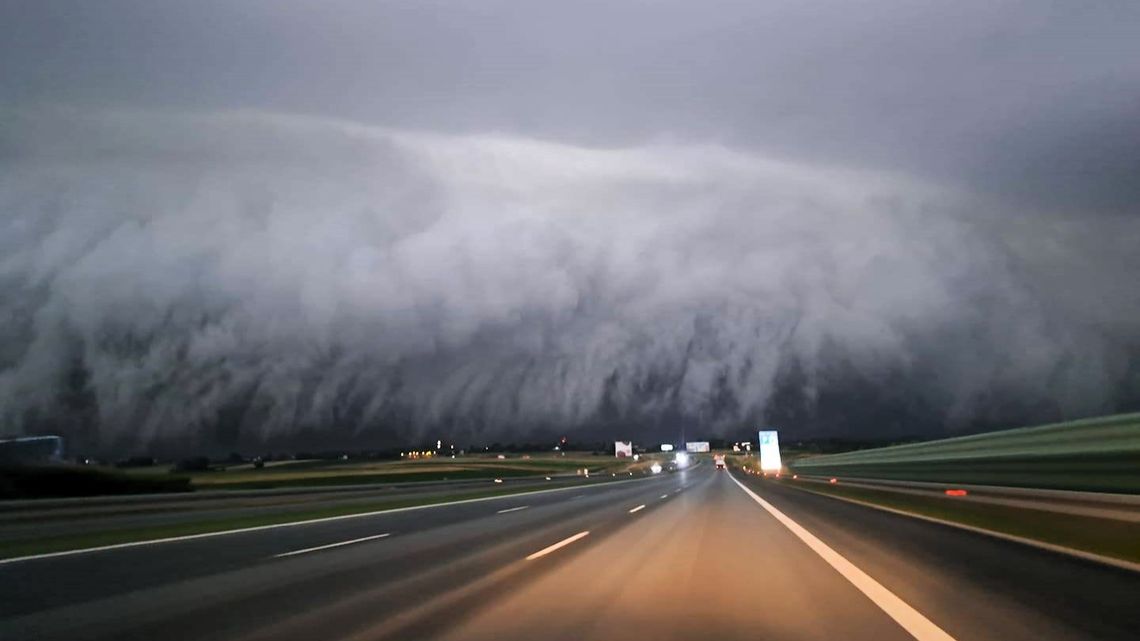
30	450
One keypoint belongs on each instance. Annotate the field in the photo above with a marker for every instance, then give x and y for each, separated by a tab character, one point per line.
59	481
328	473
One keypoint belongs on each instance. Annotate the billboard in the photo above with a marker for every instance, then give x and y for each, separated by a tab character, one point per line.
623	448
697	446
666	447
770	452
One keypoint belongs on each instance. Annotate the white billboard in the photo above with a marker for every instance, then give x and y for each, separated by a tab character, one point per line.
697	446
666	447
623	448
770	452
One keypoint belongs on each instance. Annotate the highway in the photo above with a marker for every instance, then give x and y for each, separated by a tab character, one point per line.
23	519
687	555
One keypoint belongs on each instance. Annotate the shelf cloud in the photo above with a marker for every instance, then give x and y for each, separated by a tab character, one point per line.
361	223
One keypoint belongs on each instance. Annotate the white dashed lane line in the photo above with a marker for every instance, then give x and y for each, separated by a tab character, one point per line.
557	546
331	545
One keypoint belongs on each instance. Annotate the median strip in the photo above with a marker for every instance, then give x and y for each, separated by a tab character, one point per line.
331	545
557	546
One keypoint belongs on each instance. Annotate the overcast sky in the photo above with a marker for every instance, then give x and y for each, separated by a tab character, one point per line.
245	223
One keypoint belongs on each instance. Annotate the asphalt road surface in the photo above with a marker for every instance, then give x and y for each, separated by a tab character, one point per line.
21	520
689	555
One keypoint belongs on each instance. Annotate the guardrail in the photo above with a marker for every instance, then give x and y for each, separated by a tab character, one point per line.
1097	455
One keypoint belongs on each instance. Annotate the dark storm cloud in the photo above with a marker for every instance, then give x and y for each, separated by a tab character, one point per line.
1021	98
232	222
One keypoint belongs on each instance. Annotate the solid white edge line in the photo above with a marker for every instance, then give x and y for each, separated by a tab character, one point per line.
512	509
638	508
331	545
910	619
203	535
557	546
1059	549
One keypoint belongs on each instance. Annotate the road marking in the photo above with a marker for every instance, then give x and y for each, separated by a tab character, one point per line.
678	490
331	545
910	619
638	508
256	528
512	509
1089	556
557	546
664	496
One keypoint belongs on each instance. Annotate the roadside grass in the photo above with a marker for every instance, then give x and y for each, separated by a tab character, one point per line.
1107	537
352	473
226	481
69	481
43	545
59	481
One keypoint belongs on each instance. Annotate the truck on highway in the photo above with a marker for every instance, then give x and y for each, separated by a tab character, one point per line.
718	460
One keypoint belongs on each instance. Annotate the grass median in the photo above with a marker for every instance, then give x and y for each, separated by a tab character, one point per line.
43	545
333	473
1106	537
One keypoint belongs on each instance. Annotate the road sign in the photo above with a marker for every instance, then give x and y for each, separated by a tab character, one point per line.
770	452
